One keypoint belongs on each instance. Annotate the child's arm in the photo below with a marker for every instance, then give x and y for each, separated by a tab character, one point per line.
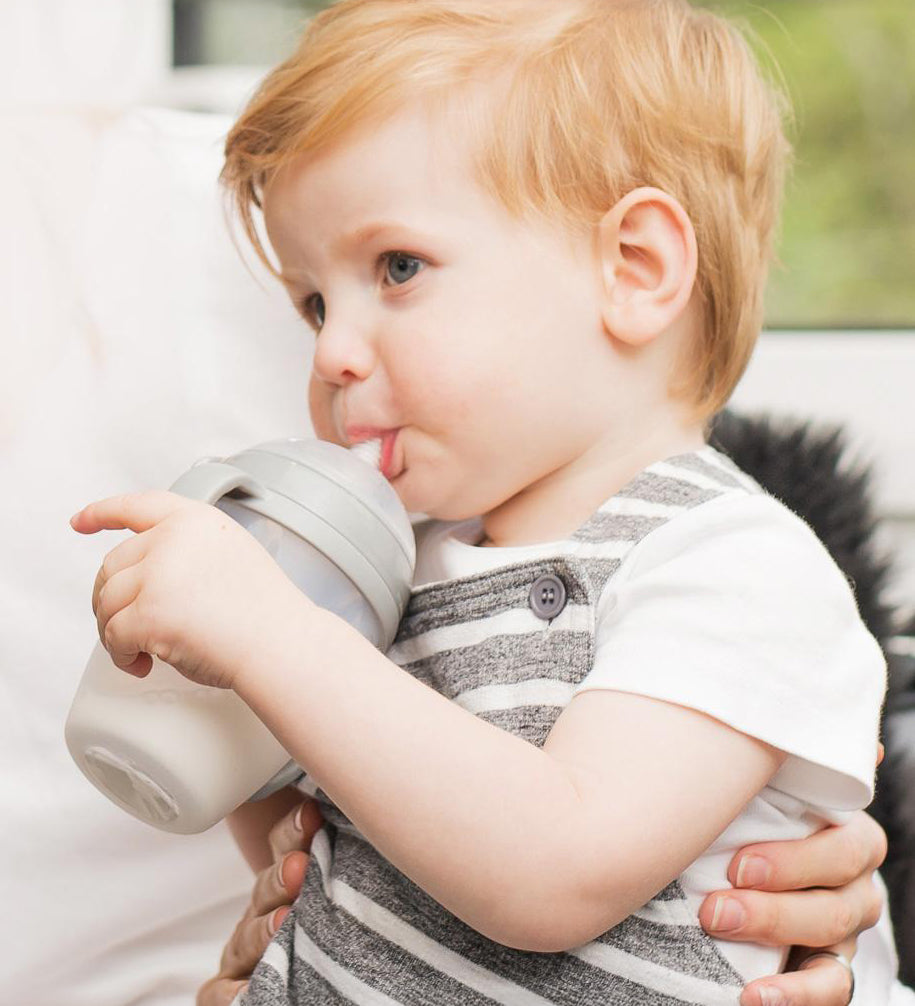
540	849
841	859
537	848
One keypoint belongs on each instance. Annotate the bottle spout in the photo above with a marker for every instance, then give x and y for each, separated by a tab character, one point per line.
368	451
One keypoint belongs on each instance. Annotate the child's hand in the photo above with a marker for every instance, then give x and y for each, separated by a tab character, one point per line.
192	587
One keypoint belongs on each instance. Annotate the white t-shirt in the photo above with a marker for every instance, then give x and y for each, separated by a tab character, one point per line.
736	609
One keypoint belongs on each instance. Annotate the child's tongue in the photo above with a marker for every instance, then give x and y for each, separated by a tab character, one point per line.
369	451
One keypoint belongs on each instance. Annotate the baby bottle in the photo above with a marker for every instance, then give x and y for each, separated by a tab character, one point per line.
181	756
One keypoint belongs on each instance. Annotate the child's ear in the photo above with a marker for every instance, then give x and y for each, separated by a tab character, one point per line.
648	260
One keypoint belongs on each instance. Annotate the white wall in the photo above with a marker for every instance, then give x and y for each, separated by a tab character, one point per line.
103	53
866	381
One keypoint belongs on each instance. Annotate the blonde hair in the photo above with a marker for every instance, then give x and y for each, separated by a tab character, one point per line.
600	97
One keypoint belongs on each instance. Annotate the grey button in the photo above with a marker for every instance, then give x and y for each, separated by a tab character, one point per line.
548	596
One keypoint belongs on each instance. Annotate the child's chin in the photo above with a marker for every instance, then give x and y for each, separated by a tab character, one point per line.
445	512
432	496
415	500
411	499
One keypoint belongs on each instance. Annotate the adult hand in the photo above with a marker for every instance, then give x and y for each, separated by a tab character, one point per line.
275	889
815	894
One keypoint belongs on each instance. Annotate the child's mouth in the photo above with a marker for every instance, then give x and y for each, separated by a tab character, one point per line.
376	447
386	462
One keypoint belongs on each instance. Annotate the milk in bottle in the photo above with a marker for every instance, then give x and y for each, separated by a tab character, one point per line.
181	756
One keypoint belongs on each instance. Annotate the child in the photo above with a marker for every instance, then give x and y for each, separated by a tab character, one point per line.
532	239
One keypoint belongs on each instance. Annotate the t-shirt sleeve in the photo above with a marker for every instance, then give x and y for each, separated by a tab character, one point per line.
736	609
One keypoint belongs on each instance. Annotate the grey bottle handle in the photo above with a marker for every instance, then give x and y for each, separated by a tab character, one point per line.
209	481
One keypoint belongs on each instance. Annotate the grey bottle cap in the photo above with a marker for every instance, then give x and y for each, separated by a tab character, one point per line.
338	503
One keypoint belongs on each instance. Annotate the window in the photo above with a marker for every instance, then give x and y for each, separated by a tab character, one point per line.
848	244
237	32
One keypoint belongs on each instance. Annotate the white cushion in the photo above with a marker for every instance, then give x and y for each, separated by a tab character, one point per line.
134	341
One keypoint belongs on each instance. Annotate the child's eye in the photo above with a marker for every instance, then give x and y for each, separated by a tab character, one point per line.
400	267
313	309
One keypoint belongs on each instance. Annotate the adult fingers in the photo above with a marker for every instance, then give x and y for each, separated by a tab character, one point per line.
219	992
248	942
279	884
275	889
815	918
821	981
295	830
830	858
132	511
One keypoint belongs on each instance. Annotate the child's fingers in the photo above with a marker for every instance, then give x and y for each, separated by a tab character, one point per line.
125	555
116	620
114	596
118	625
140	666
133	512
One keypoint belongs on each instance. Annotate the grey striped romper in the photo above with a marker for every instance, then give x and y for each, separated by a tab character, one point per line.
361	932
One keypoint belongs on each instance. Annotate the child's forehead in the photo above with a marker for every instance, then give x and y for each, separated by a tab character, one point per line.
416	172
419	139
409	161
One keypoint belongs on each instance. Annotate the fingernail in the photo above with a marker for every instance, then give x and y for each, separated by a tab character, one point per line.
276	920
297	820
728	915
770	996
279	872
753	871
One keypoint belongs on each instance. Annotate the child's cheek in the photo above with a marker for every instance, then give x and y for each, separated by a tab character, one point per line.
321	410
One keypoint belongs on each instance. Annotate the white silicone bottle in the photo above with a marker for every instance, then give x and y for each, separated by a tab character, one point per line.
181	756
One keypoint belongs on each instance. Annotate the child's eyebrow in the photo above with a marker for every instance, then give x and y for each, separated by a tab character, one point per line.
352	242
362	235
370	231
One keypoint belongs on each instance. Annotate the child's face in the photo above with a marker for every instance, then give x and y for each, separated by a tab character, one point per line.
471	342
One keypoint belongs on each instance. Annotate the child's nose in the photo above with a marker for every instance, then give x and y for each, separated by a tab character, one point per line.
343	352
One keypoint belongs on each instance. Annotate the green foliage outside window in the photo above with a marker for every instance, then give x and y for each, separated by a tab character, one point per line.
848	243
847	253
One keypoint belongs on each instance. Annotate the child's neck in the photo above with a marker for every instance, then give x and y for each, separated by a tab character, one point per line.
557	505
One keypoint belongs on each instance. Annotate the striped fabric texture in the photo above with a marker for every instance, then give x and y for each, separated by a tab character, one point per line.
361	932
